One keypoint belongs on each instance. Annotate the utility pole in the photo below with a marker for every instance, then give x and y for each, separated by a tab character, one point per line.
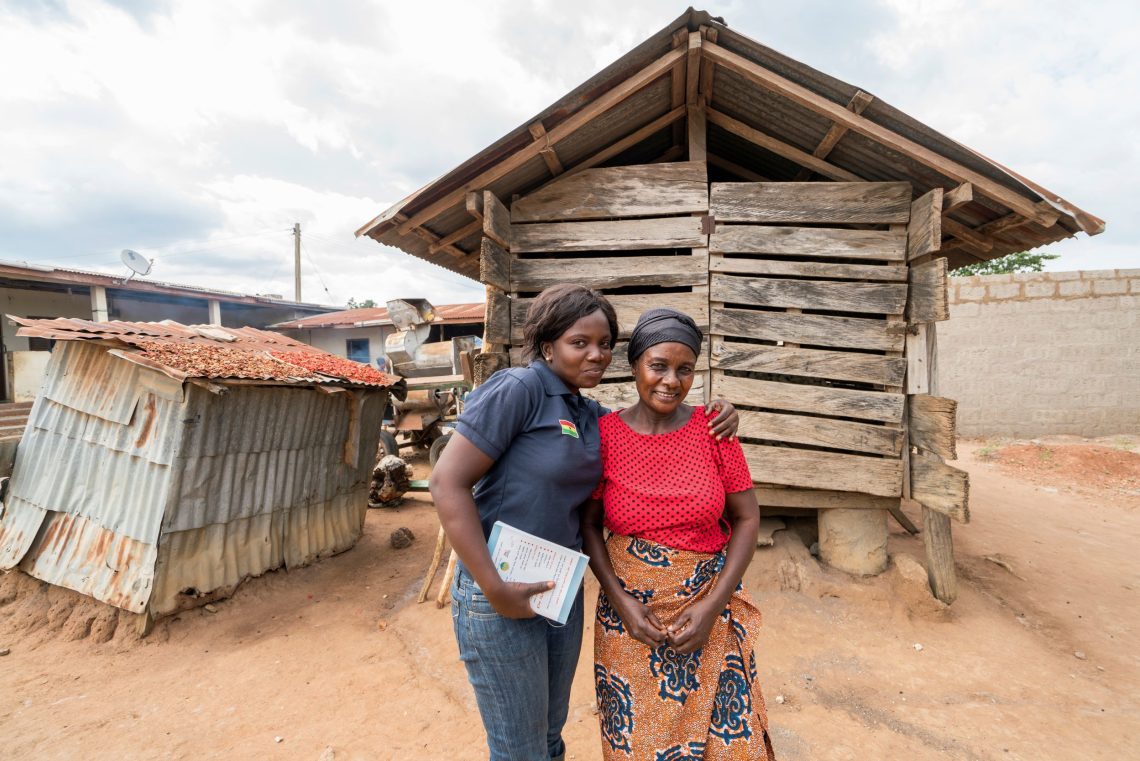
297	261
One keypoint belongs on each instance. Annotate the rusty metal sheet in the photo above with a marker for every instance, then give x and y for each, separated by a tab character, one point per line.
76	552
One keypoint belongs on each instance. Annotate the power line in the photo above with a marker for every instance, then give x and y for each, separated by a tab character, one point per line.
316	269
212	247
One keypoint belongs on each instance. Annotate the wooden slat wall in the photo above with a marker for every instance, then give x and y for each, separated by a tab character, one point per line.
631	228
810	336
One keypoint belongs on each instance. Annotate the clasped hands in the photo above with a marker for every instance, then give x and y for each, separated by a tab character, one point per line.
686	635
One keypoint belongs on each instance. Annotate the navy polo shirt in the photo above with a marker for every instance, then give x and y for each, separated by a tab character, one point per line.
547	450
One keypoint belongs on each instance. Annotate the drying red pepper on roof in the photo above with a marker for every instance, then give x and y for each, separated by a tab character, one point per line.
337	367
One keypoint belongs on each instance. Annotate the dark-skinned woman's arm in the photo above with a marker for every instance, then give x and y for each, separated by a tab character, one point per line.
638	620
692	627
460	466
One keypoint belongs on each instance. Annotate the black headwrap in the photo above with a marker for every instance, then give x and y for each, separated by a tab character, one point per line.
663	325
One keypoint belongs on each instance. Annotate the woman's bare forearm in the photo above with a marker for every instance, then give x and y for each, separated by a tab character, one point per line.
744	518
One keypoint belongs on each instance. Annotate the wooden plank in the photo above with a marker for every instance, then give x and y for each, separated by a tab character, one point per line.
869	298
917	377
824	470
810	329
810	363
966	234
837	113
940	488
858	103
769	496
615	192
629	307
924	230
608	272
957	197
488	363
927	299
817	400
572	124
820	432
494	265
883	245
815	202
618	396
496	220
779	147
828	270
932	424
619	235
498	327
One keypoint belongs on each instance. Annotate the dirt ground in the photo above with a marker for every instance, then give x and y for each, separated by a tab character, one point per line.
1037	659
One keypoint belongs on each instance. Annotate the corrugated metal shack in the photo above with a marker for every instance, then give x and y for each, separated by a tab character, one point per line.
163	462
806	225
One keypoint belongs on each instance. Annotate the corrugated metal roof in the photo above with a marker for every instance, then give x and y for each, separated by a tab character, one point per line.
131	487
69	276
447	314
205	351
762	109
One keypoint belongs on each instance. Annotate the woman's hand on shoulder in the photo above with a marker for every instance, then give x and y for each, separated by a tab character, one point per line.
639	621
511	599
726	420
691	629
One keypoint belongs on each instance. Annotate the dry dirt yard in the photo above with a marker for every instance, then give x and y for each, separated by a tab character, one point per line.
1038	658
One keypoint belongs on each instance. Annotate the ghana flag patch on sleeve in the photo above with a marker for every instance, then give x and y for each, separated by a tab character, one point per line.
568	428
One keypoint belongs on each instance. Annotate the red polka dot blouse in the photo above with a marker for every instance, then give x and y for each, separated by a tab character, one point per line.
669	487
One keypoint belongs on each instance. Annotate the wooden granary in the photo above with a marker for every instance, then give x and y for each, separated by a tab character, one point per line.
804	223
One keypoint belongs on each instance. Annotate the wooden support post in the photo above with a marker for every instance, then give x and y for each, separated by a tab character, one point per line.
936	535
436	559
677	86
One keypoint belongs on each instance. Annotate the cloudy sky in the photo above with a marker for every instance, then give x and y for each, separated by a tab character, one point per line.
197	132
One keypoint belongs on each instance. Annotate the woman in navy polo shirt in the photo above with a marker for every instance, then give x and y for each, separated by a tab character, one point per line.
513	459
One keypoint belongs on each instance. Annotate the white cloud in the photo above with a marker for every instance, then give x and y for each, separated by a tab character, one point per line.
212	127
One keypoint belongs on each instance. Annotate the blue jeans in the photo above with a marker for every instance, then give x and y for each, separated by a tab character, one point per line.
521	670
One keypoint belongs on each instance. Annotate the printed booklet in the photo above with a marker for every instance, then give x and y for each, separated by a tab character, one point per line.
524	557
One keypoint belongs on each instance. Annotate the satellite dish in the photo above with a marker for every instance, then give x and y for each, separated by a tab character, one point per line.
136	262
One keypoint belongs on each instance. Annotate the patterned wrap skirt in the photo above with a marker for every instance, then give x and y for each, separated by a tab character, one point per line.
658	705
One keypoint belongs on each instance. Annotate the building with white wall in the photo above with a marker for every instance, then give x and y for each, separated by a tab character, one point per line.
359	334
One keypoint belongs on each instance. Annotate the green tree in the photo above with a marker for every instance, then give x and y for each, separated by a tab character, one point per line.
363	304
1022	261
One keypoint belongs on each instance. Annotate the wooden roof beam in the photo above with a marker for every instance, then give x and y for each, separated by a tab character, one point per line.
455	237
677	85
433	239
571	125
967	234
693	68
859	101
958	197
805	97
538	132
705	88
780	148
630	140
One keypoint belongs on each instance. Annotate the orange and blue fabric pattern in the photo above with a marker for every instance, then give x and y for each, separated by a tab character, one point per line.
658	705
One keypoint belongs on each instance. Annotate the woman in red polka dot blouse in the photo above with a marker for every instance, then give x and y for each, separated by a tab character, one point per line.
675	669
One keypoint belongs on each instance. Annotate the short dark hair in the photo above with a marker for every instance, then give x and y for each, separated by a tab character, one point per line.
556	309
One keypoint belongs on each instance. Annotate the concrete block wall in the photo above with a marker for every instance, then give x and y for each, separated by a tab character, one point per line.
1040	353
